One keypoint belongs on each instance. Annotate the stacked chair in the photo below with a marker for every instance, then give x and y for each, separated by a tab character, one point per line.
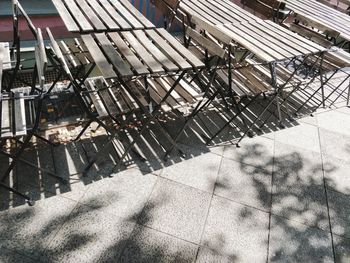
21	110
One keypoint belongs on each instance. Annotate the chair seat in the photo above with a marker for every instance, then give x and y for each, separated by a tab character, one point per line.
17	114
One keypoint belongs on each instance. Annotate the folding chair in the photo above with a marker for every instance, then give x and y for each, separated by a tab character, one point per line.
20	118
150	76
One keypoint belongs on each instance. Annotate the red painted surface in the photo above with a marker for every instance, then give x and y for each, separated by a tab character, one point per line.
54	22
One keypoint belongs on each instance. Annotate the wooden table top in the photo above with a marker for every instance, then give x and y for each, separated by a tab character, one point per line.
321	17
269	41
100	15
216	12
139	52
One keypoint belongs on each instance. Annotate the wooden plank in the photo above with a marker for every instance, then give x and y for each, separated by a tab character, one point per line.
20	116
108	102
206	43
148	24
102	14
6	108
58	52
167	49
191	58
100	60
115	15
2	51
73	60
94	20
119	64
211	29
96	100
78	16
66	16
254	48
153	65
257	41
127	15
137	65
156	53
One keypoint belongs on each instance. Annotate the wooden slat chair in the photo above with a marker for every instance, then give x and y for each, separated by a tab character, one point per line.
111	98
20	118
17	12
5	63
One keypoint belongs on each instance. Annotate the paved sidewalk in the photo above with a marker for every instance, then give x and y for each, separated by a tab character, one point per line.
281	197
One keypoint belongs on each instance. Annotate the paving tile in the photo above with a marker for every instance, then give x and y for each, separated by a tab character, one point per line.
311	120
335	144
236	231
124	195
73	188
304	203
335	121
303	136
177	210
339	211
148	245
29	229
336	173
10	256
257	151
294	166
88	234
244	184
345	110
341	249
206	254
199	172
294	242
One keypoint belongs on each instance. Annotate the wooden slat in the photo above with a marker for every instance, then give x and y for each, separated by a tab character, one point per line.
248	45
78	16
20	116
102	14
191	58
2	51
6	129
153	65
211	46
94	19
100	60
115	15
137	14
157	54
127	15
119	64
66	16
167	49
96	100
137	65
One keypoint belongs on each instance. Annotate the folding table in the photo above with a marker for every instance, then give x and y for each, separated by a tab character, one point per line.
145	56
271	45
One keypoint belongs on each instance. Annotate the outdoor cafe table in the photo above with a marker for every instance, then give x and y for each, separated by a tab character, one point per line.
320	16
86	16
271	44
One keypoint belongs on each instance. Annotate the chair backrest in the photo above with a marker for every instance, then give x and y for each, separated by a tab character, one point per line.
267	8
166	7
